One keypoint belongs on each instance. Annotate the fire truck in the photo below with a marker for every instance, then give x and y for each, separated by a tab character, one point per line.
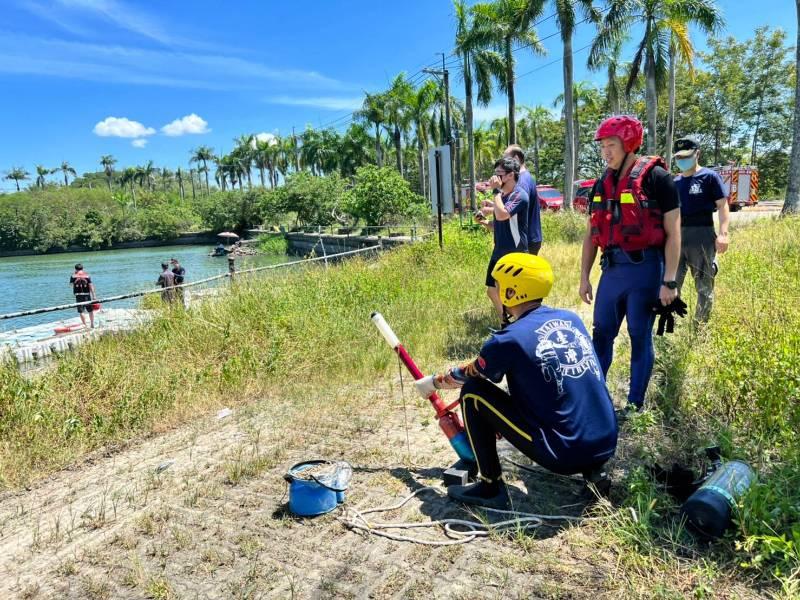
742	185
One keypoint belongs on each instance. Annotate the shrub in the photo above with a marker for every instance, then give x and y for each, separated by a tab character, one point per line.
315	200
229	210
381	196
273	244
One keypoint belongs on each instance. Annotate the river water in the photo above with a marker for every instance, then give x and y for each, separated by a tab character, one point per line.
39	281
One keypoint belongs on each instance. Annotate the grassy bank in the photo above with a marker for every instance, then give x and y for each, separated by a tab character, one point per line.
305	334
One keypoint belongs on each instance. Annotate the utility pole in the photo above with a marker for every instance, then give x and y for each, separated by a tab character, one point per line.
445	75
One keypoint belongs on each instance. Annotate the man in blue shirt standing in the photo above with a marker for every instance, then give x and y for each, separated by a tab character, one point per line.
702	193
528	183
509	206
557	410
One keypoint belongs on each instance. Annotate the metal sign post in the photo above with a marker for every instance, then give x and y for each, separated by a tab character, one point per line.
437	157
441	184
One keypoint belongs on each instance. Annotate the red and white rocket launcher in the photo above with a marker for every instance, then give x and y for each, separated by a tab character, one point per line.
449	422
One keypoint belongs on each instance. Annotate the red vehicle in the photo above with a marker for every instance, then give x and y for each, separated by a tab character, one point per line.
549	198
583	188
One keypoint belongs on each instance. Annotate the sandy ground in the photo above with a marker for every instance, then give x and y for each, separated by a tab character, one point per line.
201	513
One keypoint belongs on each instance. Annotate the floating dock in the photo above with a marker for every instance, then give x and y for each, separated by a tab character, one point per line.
30	344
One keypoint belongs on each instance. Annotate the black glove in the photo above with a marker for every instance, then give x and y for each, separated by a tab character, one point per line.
666	320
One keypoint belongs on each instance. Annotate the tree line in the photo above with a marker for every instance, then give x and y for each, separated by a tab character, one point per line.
738	98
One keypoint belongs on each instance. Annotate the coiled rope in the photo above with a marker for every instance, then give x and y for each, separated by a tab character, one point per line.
459	531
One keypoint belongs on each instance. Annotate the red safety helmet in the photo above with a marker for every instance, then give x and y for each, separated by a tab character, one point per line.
625	127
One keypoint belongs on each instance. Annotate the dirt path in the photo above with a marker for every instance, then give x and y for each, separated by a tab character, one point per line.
200	513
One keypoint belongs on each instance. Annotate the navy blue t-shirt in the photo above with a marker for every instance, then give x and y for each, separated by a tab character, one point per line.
699	194
528	183
553	373
511	235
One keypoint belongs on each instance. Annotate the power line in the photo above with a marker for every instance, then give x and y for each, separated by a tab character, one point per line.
449	64
551	63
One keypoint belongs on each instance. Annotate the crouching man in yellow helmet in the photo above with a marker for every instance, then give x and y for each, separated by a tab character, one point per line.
557	410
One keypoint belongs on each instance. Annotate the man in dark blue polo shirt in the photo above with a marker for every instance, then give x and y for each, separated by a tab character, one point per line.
509	207
557	410
702	193
528	183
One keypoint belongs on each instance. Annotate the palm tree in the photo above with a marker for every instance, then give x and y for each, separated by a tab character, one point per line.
665	30
17	174
328	155
500	25
486	150
244	154
309	151
374	111
612	61
146	174
532	122
221	173
166	178
353	149
192	173
499	127
129	177
478	65
420	104
41	173
203	154
565	18
66	169
398	97
108	163
582	93
179	177
287	153
262	158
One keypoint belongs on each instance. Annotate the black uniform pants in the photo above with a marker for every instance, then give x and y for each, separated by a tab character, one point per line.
487	411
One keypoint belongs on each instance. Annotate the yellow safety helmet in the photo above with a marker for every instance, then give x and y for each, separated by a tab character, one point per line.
522	277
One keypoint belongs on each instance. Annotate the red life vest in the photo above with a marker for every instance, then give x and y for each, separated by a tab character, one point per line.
625	217
80	283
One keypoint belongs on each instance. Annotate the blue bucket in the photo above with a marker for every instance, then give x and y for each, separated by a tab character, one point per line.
318	493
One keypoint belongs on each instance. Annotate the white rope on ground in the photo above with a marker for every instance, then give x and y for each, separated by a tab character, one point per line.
522	521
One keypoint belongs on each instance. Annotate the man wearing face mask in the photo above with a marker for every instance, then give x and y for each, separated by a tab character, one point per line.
509	208
635	221
702	194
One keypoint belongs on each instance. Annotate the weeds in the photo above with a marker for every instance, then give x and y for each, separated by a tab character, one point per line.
735	382
273	244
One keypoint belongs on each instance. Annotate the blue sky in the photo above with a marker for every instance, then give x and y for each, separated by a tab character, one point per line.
146	80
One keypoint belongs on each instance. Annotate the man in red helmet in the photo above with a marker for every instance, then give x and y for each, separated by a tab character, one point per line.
635	220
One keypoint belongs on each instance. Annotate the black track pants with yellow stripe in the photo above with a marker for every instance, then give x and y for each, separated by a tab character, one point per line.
488	410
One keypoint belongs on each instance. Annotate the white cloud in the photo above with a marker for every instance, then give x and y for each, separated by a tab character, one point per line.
324	102
264	137
140	143
23	54
124	17
122	127
190	124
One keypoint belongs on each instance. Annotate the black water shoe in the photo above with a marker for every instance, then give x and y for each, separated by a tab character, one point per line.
630	409
488	495
598	482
